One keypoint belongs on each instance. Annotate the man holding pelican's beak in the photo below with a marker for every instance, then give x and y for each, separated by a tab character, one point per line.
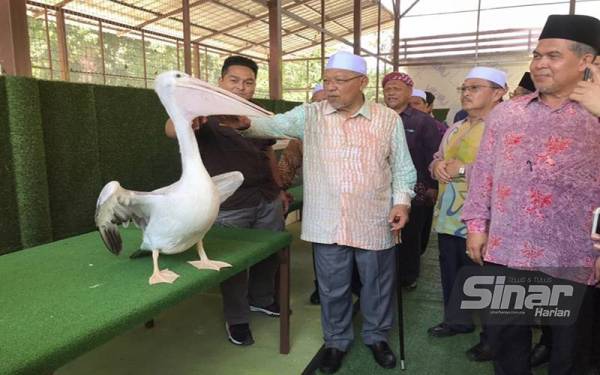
358	185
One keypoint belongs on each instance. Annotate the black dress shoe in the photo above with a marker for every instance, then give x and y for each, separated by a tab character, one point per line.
331	360
383	354
540	354
480	353
444	330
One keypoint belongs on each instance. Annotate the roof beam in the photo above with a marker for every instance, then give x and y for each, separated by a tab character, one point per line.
166	15
169	14
242	24
330	39
302	28
158	35
58	6
327	18
246	14
311	25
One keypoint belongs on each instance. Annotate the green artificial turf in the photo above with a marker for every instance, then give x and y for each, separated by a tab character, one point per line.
28	160
134	149
10	238
276	106
61	299
422	308
71	148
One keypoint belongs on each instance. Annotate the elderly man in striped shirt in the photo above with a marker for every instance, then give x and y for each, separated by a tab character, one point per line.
358	185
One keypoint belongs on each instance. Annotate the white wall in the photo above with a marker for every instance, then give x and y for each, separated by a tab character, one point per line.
442	80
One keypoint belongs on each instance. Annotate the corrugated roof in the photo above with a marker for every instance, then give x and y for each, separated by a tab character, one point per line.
240	26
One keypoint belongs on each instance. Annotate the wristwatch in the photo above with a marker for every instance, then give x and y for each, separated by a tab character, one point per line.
461	171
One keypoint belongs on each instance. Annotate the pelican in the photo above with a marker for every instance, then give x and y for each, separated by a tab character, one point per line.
176	217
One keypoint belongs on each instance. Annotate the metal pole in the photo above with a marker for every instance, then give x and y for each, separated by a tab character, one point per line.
48	43
307	79
477	32
572	6
178	62
144	59
206	63
400	311
187	51
322	38
15	57
63	54
396	43
357	27
275	82
378	50
196	60
101	41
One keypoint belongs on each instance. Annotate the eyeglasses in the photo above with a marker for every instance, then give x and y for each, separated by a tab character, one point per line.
339	81
474	88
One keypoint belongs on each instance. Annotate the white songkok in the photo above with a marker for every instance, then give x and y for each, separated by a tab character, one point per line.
420	94
491	74
347	61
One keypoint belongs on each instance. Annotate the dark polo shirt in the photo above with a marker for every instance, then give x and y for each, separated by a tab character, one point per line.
423	139
224	150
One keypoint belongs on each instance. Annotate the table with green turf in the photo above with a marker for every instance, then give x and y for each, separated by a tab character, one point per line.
64	298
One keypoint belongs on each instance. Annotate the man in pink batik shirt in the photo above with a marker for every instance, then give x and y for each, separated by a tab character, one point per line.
534	187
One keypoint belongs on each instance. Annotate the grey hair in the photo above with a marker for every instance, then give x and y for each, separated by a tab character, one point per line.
581	49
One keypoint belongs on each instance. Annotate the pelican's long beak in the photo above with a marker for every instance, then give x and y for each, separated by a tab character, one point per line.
193	83
187	98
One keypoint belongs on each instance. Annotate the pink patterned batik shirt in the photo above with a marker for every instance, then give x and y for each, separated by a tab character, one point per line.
535	185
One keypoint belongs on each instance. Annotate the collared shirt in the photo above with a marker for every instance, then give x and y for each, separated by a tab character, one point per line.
461	142
423	139
224	150
536	183
354	169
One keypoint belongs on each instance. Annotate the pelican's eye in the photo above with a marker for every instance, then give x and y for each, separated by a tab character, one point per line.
177	75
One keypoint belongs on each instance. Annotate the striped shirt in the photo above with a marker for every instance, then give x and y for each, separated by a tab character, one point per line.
355	168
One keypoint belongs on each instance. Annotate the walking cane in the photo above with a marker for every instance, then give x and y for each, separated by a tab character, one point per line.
399	299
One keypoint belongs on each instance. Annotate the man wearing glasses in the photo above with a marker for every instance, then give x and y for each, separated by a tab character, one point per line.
481	91
358	181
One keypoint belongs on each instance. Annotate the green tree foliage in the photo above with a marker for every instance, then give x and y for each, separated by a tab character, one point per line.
124	59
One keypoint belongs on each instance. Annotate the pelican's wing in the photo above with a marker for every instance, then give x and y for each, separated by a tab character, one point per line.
227	184
120	206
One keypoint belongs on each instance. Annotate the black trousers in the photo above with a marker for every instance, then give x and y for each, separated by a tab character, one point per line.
453	260
426	228
573	349
409	251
